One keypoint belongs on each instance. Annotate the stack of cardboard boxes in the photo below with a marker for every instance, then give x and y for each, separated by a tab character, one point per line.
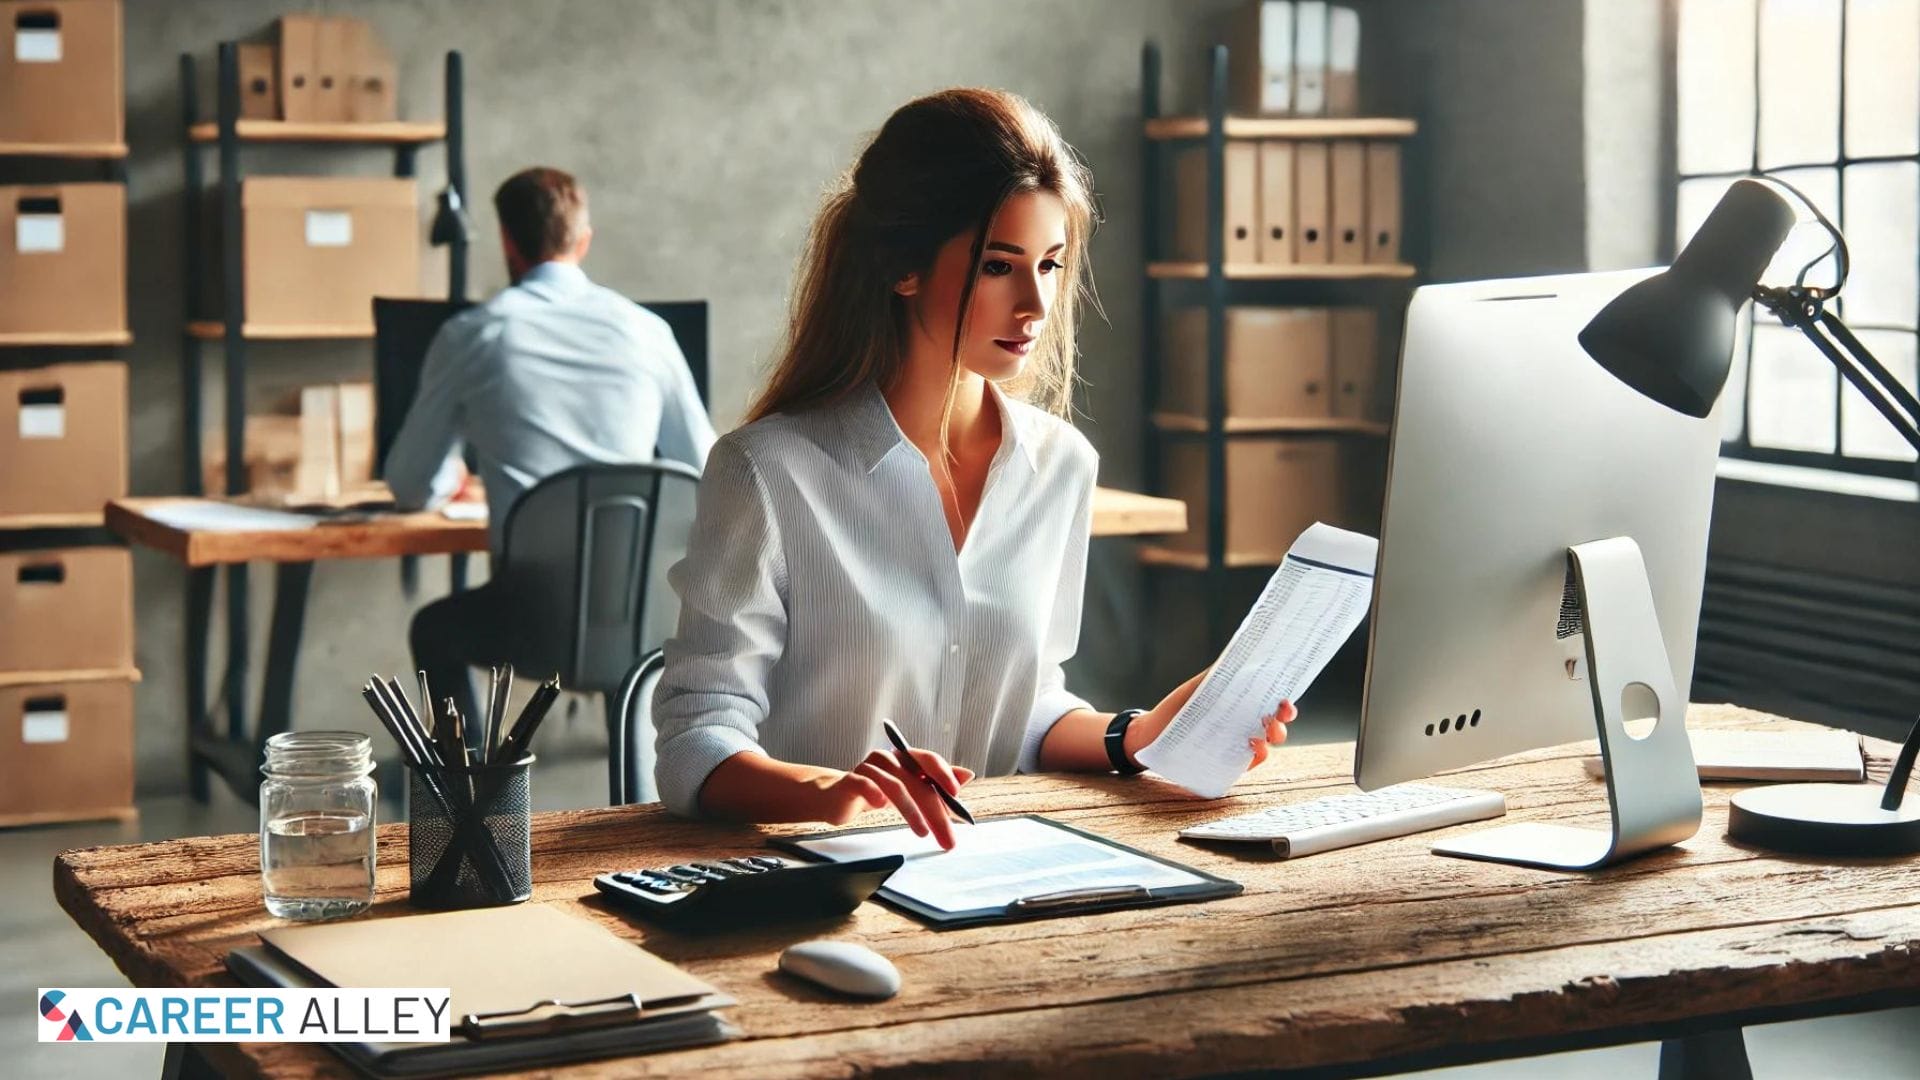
66	613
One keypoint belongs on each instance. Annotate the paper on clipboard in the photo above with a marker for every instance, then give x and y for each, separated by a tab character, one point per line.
995	863
1309	608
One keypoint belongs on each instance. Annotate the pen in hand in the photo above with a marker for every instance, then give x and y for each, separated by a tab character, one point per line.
906	758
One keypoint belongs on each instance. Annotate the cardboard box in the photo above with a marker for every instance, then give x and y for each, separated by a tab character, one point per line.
66	751
61	72
69	609
1276	364
63	438
259	81
1276	487
317	250
63	259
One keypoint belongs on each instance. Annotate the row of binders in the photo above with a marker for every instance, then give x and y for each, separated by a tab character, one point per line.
1294	201
1305	59
318	69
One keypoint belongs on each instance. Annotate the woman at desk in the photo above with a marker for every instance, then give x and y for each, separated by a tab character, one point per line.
900	529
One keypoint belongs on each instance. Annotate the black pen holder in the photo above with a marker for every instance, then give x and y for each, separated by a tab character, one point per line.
469	835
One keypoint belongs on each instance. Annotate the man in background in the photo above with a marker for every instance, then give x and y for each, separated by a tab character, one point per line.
552	372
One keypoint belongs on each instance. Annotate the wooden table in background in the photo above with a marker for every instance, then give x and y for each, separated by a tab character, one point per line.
1370	960
235	756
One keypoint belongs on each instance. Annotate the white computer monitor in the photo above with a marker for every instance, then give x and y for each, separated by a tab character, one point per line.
1512	450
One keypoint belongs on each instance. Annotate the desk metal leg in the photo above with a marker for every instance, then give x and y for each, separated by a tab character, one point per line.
237	652
199	619
283	647
1715	1055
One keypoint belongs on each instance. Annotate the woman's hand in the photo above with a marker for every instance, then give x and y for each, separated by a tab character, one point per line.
755	787
1148	726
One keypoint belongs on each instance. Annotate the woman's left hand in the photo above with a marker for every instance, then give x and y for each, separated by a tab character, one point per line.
1148	726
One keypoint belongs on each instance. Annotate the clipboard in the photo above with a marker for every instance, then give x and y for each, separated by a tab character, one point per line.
561	973
1041	905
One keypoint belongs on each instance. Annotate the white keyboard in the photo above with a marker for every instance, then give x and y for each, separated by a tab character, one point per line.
1337	821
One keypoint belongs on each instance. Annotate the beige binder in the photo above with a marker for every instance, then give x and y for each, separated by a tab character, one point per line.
369	74
1383	202
1276	202
1356	364
1242	192
1311	195
1348	172
498	963
299	37
332	67
259	82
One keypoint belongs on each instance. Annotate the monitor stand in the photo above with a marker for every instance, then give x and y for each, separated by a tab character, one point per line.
1652	786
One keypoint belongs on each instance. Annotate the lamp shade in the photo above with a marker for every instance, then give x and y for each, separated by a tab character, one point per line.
1670	337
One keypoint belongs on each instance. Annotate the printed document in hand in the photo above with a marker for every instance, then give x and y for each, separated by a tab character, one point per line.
1310	606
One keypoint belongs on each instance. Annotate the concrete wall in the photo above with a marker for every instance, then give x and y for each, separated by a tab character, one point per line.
705	131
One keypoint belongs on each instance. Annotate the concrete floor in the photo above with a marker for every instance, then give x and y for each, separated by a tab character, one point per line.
40	946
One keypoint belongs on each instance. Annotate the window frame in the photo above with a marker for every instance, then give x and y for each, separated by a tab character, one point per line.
1741	446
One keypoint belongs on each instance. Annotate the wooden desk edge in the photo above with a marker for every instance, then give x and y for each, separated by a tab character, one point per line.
425	533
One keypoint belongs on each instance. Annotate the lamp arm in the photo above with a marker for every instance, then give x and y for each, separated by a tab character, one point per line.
1808	315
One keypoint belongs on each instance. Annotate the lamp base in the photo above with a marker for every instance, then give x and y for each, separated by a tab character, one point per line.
1824	819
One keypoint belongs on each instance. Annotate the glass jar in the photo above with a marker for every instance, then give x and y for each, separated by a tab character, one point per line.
316	824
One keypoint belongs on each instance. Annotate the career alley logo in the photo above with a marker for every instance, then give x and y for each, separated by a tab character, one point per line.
65	1025
107	1015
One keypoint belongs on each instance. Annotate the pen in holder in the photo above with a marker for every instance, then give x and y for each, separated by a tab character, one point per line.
469	834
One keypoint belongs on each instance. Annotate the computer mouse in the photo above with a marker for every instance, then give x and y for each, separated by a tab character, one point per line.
842	966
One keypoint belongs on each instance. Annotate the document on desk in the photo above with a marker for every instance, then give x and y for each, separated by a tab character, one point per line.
1309	608
995	863
207	515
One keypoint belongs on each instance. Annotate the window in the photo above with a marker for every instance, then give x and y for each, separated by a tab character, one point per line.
1824	94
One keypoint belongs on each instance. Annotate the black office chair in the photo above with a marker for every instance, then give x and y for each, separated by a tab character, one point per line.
585	562
633	719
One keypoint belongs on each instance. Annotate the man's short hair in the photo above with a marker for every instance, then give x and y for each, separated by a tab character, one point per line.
544	212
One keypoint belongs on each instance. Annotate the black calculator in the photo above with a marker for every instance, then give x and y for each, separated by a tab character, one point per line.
745	892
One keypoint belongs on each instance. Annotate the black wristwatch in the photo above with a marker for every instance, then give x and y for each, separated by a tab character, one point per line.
1117	742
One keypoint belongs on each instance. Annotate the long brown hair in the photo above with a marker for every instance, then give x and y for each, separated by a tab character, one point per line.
940	166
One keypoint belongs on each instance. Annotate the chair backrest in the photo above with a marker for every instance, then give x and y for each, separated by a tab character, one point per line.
585	562
631	730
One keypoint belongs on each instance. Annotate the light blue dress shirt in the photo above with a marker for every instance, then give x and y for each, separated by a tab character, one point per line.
549	374
821	592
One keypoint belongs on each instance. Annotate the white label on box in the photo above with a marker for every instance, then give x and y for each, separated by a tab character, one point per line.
36	46
329	228
43	421
39	232
44	726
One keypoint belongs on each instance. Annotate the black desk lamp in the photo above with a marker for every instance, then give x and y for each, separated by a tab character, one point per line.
1671	338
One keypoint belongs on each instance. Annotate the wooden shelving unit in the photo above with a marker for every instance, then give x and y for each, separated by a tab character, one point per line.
66	151
1197	271
1214	284
214	330
106	339
1176	423
1283	127
234	751
30	522
391	132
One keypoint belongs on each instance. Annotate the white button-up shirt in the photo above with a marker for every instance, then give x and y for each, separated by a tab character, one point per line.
821	592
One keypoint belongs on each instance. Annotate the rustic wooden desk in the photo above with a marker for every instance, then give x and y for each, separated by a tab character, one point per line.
1370	960
236	755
